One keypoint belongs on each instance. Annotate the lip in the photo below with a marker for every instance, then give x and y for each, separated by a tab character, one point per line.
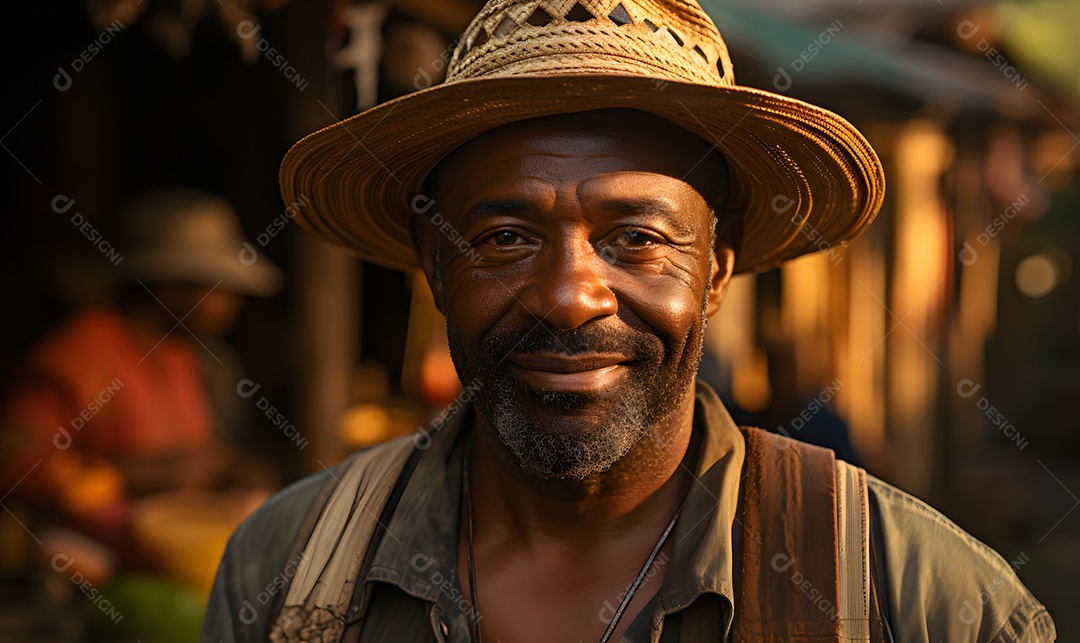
590	373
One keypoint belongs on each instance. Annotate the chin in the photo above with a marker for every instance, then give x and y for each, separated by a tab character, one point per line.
566	436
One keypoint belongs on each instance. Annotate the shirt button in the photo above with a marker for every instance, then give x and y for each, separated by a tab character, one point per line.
445	628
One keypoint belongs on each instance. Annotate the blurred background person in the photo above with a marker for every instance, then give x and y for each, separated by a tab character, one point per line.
125	410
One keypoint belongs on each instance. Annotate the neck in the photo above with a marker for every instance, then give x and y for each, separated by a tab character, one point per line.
641	488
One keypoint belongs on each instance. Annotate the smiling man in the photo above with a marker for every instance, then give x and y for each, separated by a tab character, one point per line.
584	311
608	178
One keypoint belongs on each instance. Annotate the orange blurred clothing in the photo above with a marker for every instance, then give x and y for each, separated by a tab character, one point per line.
93	389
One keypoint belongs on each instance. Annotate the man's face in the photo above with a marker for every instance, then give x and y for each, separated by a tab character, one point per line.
580	297
210	310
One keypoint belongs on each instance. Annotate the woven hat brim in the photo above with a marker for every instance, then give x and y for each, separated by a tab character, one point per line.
804	177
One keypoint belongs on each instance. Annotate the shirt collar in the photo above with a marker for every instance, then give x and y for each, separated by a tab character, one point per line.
707	535
419	552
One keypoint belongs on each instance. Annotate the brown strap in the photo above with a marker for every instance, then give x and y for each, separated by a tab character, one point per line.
789	510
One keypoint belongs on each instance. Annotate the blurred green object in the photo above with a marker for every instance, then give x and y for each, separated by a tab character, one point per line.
837	53
1041	36
149	609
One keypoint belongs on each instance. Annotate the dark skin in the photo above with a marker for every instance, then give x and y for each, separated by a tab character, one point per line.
204	310
603	218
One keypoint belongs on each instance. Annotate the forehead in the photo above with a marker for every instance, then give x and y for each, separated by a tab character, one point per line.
574	147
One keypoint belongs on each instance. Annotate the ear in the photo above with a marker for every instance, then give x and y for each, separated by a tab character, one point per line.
723	265
426	242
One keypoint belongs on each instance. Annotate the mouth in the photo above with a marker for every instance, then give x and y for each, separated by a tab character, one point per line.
584	374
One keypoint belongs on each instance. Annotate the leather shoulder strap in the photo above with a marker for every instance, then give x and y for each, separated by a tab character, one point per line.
348	522
790	590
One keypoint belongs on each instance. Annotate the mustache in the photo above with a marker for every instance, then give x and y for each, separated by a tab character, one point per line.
591	338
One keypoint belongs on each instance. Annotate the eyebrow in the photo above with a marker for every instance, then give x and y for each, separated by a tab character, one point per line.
496	207
650	208
645	208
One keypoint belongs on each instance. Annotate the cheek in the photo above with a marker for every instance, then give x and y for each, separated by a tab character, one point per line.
476	302
669	302
670	310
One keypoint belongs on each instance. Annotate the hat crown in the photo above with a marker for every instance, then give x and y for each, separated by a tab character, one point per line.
183	221
182	235
673	40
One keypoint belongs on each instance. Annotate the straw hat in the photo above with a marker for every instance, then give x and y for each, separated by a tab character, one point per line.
802	177
185	236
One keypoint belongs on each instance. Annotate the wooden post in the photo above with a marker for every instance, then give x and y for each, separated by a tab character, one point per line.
326	280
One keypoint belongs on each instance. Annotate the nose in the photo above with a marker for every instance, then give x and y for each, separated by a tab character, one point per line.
570	287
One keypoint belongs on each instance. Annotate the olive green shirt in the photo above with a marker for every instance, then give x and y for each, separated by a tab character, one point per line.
936	582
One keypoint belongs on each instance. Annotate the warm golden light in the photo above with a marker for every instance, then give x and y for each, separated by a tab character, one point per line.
1037	276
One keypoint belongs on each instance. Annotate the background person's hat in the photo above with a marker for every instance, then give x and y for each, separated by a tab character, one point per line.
191	237
803	177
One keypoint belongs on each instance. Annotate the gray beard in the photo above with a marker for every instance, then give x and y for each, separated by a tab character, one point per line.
560	448
566	447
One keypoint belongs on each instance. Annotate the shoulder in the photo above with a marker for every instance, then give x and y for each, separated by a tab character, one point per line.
254	568
943	584
273	526
256	557
86	327
267	536
78	346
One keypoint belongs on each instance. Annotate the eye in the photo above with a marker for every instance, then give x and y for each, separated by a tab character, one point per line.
505	239
498	245
634	238
632	245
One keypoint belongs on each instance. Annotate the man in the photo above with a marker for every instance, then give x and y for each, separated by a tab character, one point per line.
582	189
